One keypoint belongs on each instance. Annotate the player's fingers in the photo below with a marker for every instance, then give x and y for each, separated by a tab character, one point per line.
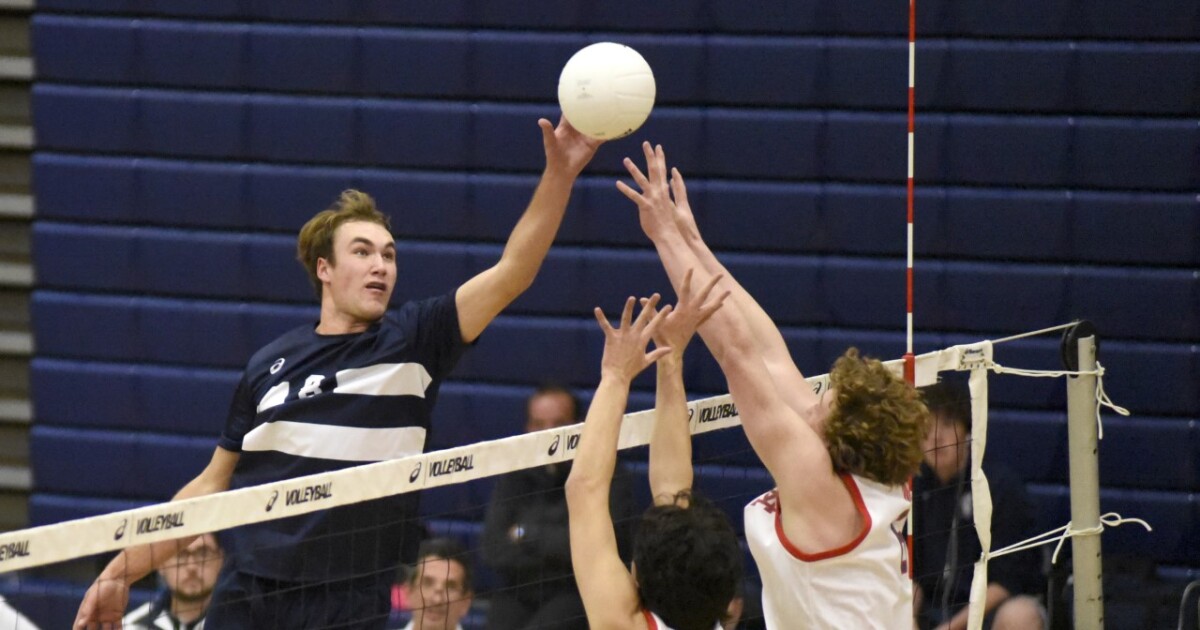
660	162
657	354
636	173
627	312
604	325
649	310
685	287
651	328
712	307
708	287
633	195
678	187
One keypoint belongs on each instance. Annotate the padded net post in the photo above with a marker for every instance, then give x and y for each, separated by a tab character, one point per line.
1083	444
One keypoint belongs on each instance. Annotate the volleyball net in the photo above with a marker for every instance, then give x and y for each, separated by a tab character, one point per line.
456	487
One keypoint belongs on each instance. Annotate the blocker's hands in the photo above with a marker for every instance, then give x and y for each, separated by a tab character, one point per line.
625	353
693	309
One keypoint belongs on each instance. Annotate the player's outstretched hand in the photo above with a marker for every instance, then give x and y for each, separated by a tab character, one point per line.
625	353
693	309
656	209
103	606
567	150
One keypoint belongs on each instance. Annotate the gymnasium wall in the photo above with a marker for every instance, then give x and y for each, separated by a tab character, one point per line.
181	145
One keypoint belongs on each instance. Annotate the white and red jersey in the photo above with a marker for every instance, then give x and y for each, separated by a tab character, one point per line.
653	622
863	584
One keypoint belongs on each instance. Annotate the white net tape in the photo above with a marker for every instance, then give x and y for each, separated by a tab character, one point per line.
110	532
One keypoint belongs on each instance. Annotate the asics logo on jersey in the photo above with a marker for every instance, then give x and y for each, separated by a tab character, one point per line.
274	495
278	365
554	445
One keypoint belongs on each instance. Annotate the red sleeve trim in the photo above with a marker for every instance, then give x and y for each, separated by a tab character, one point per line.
855	494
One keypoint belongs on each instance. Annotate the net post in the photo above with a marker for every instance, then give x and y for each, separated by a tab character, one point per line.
1079	353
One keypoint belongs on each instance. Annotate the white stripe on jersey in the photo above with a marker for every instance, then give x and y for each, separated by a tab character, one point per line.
384	379
274	397
327	441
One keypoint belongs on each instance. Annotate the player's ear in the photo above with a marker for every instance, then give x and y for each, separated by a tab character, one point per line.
324	269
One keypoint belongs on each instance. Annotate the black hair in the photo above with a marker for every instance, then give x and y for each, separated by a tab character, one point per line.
688	562
949	399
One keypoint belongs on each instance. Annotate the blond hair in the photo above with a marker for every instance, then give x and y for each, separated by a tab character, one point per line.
316	237
878	422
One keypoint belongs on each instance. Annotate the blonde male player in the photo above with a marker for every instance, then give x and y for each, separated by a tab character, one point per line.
686	558
828	540
355	387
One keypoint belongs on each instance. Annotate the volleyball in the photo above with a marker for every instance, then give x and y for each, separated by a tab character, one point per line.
606	90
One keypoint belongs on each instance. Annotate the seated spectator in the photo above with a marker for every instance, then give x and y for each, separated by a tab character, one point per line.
439	586
189	579
526	539
945	544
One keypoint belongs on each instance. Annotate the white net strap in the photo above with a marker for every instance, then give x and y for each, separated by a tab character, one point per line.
1102	399
1061	534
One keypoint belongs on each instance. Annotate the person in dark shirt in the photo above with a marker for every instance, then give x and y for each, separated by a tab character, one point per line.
526	538
945	545
357	386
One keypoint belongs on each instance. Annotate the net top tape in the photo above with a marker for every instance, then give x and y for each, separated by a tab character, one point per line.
23	549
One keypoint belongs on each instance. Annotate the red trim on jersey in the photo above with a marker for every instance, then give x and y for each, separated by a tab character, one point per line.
650	622
844	549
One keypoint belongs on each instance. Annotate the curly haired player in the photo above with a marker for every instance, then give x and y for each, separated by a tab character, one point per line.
828	539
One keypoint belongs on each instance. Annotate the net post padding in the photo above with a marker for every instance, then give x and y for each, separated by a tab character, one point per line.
1083	437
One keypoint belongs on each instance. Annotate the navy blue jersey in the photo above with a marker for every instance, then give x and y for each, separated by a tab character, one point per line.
310	403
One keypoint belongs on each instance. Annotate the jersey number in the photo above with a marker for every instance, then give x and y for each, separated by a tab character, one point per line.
312	386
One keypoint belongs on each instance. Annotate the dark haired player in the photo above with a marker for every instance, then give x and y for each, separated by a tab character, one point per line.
686	558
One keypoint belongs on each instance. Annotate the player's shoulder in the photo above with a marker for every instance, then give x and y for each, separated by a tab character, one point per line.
283	345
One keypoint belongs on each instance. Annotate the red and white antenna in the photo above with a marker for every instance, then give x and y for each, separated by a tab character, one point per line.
910	362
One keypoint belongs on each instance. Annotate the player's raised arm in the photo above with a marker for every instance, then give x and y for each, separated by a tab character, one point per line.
791	450
671	442
608	590
481	298
765	335
106	600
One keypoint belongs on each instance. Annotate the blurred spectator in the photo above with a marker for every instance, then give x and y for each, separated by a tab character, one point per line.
189	578
945	544
439	589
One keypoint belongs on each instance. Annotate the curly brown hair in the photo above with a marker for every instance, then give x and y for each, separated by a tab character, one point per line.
878	422
316	237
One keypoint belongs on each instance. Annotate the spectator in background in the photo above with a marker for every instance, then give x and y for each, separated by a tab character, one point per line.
945	544
526	539
439	586
189	579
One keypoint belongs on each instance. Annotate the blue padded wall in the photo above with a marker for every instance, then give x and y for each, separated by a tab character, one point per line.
181	145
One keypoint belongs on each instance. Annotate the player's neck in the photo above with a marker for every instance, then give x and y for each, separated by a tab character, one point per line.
336	322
